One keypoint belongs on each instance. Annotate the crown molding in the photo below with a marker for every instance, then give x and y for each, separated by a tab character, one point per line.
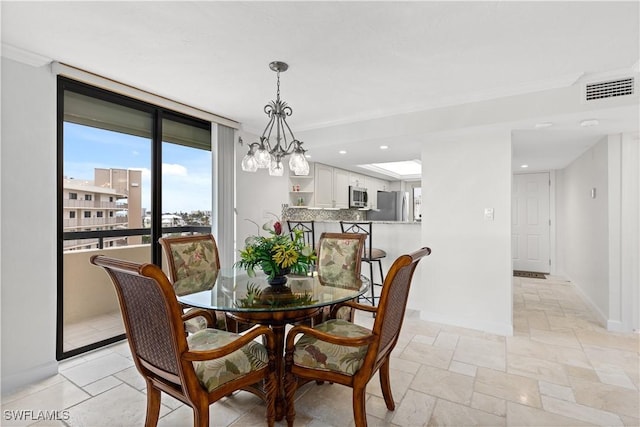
24	56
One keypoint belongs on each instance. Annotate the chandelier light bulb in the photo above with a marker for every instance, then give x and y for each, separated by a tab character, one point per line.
263	158
296	162
276	168
304	170
249	163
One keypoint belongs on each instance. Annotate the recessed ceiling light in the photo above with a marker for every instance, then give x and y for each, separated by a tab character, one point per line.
384	147
588	123
342	152
543	125
524	166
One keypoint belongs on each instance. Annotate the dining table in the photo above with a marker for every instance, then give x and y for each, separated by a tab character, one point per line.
250	299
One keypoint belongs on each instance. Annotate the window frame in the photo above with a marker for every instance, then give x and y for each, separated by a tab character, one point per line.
158	114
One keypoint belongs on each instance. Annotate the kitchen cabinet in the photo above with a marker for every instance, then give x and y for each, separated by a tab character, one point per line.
341	188
301	189
323	186
357	180
331	187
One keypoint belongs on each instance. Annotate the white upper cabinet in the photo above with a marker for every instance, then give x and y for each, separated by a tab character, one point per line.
324	186
331	187
341	188
357	180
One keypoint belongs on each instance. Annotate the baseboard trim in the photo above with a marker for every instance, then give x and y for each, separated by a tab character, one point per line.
504	329
602	319
13	382
615	326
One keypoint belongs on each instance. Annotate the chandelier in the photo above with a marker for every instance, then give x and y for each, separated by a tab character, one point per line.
264	154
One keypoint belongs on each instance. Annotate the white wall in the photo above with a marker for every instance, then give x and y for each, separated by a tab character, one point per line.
257	195
583	236
28	276
624	232
467	280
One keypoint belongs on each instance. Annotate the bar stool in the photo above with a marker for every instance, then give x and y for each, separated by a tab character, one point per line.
308	231
308	234
371	255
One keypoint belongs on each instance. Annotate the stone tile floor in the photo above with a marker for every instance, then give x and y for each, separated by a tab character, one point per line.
560	368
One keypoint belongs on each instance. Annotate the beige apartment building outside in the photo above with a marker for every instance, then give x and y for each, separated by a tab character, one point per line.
113	200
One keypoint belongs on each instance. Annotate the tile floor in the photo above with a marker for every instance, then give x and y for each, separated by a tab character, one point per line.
92	330
559	369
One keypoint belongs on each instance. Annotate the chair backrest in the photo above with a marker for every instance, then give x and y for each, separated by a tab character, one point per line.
151	313
340	257
365	228
193	262
393	299
308	231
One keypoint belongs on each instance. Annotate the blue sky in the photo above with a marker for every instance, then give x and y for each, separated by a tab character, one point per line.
186	171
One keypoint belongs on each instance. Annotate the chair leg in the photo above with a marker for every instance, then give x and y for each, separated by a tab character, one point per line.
373	293
201	415
381	273
153	406
359	412
385	385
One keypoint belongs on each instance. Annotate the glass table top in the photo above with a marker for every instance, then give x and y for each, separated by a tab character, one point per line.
233	290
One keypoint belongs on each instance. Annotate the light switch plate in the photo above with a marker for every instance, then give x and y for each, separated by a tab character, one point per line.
488	214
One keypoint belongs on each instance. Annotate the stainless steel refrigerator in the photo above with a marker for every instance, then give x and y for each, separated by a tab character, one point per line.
392	206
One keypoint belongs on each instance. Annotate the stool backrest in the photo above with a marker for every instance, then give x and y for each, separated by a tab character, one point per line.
365	227
308	231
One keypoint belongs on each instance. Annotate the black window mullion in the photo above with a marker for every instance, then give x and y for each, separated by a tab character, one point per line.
156	184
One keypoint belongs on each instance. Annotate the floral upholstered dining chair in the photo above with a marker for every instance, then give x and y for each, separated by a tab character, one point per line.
193	263
339	263
345	353
197	369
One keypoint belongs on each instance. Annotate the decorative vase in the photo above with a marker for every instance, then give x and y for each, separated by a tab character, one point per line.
280	279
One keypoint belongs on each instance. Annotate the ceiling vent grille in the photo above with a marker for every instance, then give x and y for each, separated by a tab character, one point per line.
610	89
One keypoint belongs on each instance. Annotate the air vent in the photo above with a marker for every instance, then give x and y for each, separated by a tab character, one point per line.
609	89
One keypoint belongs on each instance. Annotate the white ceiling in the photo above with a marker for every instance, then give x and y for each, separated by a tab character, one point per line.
349	61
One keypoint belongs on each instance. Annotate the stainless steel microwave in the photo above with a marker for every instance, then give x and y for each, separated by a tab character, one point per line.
358	197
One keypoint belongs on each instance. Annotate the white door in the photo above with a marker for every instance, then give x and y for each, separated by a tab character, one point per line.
530	227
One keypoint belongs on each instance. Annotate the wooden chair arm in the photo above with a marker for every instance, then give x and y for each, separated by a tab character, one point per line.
246	338
323	336
211	320
352	304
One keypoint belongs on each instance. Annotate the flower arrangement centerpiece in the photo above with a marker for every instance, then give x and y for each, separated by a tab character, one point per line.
276	253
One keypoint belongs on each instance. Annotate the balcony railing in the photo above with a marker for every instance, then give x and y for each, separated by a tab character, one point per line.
91	204
88	295
101	235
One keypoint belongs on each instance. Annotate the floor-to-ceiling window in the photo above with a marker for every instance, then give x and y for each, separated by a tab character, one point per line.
128	172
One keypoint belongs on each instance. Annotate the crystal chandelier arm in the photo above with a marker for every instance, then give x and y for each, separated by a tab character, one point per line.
294	142
266	134
252	146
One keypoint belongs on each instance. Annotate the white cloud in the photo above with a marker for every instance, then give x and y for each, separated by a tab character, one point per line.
173	169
